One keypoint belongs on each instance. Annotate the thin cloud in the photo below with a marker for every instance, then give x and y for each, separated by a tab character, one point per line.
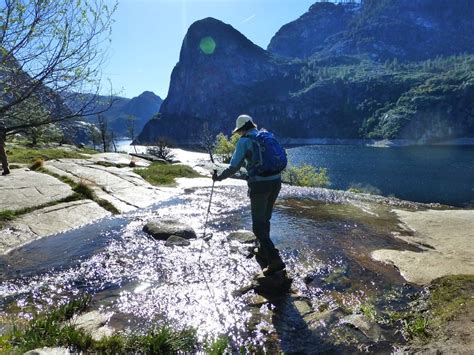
250	18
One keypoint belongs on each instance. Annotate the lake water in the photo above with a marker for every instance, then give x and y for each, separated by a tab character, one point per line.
443	174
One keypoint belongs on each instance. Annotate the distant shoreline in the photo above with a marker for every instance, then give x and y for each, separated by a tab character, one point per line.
377	143
384	143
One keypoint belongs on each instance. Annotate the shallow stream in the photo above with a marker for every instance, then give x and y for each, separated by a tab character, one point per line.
326	246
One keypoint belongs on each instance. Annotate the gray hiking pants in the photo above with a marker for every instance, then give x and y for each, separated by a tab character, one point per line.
263	195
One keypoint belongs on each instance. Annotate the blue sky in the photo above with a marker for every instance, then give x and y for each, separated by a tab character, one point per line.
147	35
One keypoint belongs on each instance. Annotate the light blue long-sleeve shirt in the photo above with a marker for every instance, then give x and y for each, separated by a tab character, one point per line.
243	154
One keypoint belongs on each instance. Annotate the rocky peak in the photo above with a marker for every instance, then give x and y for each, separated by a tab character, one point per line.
382	29
144	105
311	32
214	58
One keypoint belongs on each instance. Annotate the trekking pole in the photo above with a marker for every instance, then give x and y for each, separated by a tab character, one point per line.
213	297
209	207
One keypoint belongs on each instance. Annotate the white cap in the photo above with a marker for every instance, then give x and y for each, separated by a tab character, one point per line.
241	121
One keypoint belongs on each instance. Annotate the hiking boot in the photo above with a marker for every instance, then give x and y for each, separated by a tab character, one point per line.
6	172
259	257
275	265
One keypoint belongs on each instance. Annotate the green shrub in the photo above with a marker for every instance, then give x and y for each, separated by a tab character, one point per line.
164	174
306	175
224	147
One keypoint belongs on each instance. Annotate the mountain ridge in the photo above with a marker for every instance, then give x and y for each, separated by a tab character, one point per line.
328	94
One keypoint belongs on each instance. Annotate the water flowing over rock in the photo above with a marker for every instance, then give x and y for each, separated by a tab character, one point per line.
164	229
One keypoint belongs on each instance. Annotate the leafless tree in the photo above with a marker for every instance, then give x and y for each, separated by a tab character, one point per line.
94	135
208	141
161	149
48	51
103	126
130	122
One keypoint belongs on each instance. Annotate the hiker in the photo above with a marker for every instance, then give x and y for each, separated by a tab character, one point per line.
263	191
3	154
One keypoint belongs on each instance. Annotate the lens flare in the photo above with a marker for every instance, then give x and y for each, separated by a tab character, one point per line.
207	45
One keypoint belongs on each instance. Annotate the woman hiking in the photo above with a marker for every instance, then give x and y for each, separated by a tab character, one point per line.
264	186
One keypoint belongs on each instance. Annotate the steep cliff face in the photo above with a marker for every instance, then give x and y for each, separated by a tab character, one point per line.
220	74
217	63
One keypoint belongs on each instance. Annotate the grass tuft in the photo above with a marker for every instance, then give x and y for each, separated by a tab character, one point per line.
218	346
53	329
164	174
37	164
368	310
25	155
48	330
85	190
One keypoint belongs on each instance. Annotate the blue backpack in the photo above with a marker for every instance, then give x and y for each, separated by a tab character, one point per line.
268	156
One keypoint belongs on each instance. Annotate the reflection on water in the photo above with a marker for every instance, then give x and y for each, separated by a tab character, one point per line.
143	282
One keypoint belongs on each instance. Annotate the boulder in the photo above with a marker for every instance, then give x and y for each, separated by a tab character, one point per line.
361	323
94	323
303	307
242	236
163	229
321	319
273	285
175	241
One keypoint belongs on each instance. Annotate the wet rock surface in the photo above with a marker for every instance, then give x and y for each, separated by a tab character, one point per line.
273	285
176	241
242	236
107	174
164	229
50	220
143	281
368	328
